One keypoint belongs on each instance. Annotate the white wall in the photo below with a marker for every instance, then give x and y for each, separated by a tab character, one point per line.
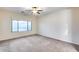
56	25
75	25
5	25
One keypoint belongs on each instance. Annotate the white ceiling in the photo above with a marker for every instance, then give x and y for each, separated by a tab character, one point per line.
28	11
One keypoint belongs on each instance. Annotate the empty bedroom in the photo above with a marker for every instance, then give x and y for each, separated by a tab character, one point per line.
39	29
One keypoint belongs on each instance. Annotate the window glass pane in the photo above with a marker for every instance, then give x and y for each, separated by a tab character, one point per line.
22	26
29	25
14	26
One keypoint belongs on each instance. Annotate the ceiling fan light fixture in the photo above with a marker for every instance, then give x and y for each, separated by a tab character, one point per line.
34	11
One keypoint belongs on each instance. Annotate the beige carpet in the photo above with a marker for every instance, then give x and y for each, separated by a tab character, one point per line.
36	44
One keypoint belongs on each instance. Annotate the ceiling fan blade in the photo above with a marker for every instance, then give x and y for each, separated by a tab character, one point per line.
38	12
34	7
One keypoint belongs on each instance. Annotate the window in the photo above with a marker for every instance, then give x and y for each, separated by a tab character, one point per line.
20	26
14	26
29	26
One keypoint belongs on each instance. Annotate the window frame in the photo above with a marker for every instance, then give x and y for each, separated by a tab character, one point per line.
31	25
18	26
12	27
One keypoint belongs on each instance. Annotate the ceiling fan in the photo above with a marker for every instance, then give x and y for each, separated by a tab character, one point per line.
34	10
